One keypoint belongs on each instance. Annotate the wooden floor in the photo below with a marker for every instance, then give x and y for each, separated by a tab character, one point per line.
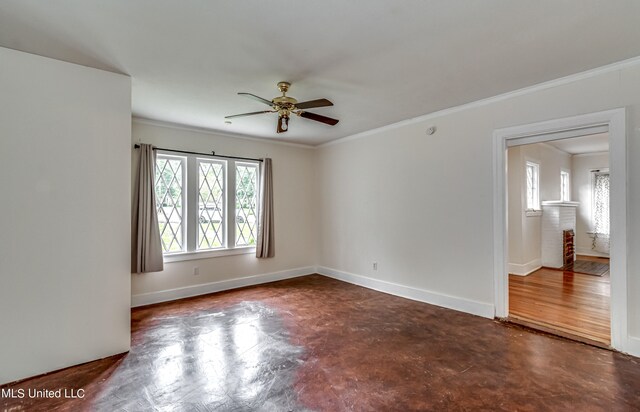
570	304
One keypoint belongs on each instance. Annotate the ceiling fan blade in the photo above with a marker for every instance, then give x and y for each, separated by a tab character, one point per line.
314	103
319	118
258	98
247	114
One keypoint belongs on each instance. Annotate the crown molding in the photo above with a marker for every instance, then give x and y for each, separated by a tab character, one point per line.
489	100
204	130
591	154
555	149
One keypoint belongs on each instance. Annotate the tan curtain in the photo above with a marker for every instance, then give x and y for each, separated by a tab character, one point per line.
146	246
266	244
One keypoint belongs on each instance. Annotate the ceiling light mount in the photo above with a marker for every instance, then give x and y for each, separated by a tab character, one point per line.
284	87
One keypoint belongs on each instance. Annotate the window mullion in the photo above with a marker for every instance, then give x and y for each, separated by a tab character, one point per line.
231	204
192	203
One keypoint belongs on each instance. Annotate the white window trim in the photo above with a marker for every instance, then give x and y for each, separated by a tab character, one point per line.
190	208
207	254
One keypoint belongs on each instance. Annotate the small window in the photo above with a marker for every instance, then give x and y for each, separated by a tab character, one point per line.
533	186
565	190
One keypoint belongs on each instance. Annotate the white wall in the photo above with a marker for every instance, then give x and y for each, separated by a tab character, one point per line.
294	214
581	192
525	232
421	206
65	214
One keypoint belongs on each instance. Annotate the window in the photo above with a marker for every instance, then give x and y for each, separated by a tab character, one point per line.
206	206
533	187
246	204
601	203
170	202
211	204
565	190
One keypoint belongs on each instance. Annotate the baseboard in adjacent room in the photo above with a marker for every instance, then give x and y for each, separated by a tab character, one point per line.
485	310
589	252
205	288
526	268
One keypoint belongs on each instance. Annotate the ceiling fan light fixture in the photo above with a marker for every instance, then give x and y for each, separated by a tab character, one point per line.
283	124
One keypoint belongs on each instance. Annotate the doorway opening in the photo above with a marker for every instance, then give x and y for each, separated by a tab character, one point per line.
612	123
558	237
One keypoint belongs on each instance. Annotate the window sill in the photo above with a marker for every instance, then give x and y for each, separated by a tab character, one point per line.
532	213
207	254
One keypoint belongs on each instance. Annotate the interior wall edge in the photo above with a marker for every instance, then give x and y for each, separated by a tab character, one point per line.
633	346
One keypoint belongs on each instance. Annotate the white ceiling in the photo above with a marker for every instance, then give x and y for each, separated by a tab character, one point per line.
595	143
379	61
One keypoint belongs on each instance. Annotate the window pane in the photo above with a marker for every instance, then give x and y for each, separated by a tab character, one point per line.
169	202
246	204
533	200
210	204
529	187
564	186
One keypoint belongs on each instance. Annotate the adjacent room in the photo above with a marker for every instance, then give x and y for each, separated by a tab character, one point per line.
559	237
296	206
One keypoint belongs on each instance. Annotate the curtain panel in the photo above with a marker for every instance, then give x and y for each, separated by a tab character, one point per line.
146	245
266	244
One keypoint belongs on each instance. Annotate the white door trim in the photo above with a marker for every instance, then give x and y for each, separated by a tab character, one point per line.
615	120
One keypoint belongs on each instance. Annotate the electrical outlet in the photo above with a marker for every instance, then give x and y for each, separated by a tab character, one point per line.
196	271
375	265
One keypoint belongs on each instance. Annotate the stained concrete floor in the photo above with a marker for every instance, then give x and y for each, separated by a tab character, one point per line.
318	344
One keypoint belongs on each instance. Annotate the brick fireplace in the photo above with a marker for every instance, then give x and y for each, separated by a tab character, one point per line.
568	247
558	233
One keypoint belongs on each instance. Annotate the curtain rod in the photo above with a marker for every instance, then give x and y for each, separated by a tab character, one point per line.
212	154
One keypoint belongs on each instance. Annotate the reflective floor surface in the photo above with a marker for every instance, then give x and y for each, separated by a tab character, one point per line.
318	344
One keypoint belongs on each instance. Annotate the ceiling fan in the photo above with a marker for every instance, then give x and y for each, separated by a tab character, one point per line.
285	106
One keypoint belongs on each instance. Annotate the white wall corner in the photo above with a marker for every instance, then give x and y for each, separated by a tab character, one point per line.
486	310
633	346
206	288
526	268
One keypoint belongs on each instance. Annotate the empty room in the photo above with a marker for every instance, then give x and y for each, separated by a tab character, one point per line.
319	206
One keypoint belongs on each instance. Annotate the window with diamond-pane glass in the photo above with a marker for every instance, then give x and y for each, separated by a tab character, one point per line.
211	196
246	204
170	201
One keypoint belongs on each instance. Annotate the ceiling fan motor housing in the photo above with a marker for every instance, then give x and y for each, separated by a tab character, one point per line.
284	100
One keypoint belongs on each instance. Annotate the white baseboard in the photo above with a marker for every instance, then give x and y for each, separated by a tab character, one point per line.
587	251
485	310
205	288
525	269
